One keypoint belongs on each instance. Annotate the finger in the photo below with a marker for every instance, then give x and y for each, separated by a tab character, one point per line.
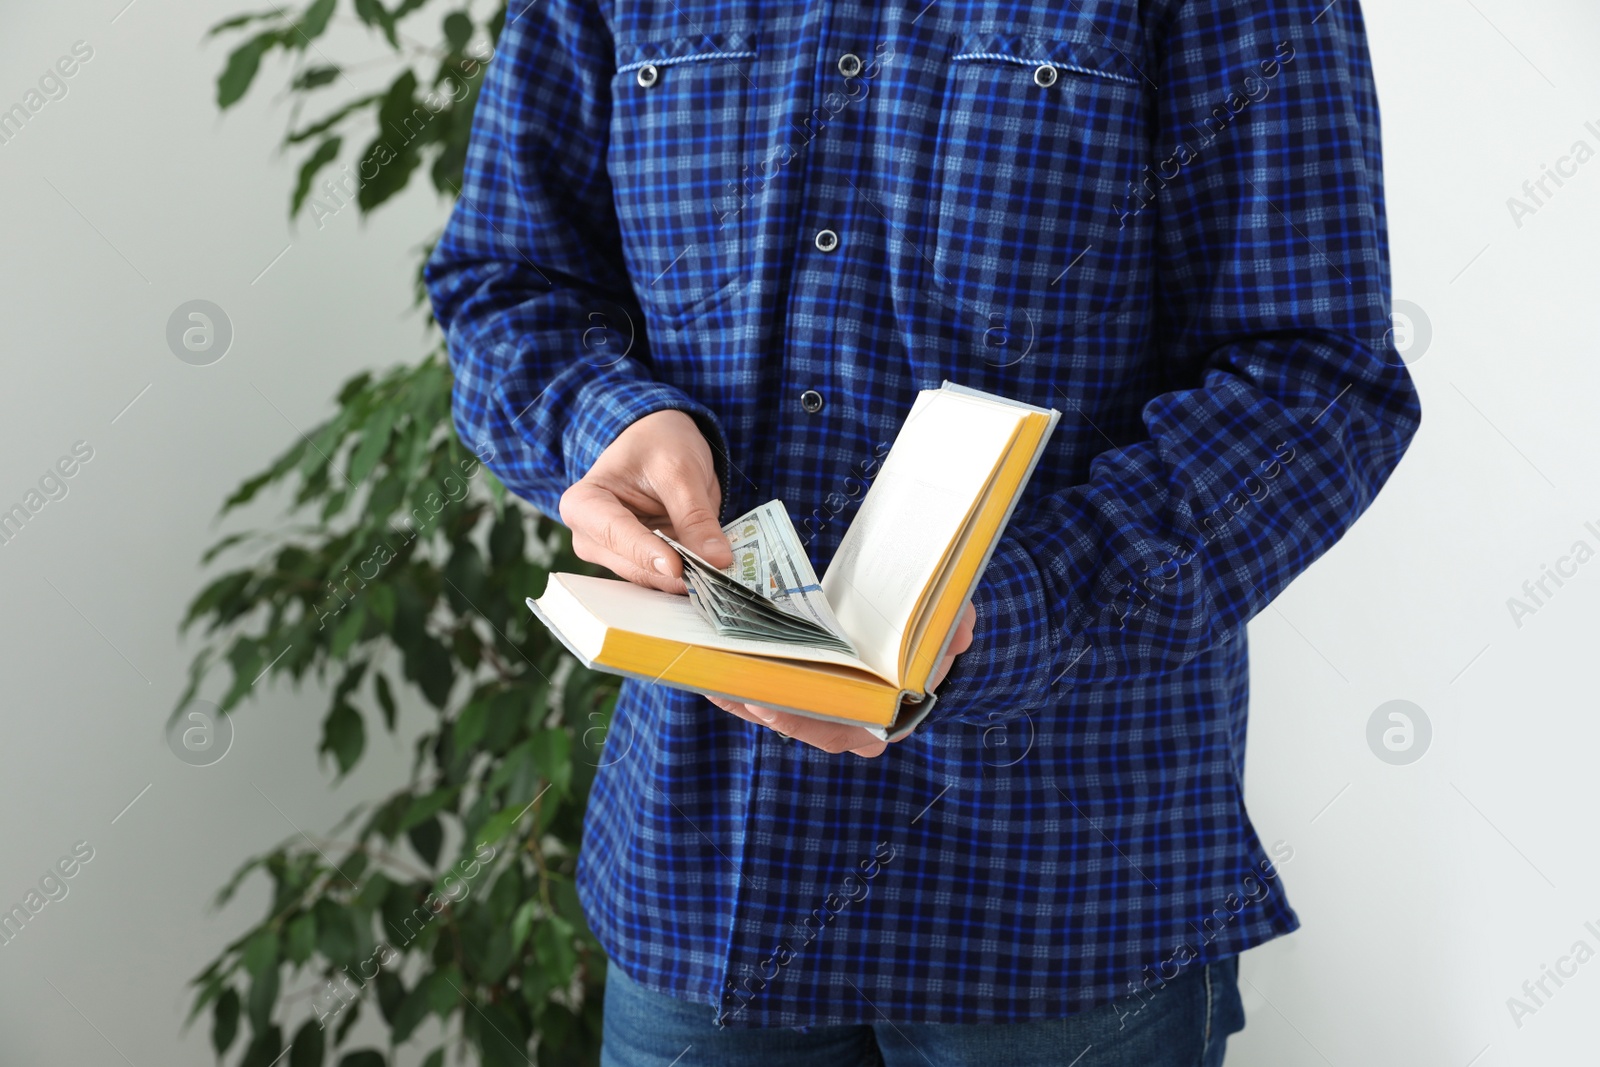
964	629
960	641
735	707
832	738
607	533
693	510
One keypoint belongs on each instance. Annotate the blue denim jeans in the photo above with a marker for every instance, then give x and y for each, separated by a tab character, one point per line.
1186	1023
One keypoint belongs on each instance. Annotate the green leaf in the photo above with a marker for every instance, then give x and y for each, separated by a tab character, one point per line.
552	945
261	951
468	648
212	987
515	767
385	697
497	826
426	837
428	663
335	938
428	805
352	678
225	1021
444	990
435	1058
391	994
265	1049
507	710
374	441
500	1035
487	949
470	725
309	1045
552	754
324	154
373	13
347	630
381	600
315	21
263	998
457	30
521	923
243	20
332	119
465	574
302	937
507	540
353	387
344	735
410	1013
223	545
235	79
314	78
377	888
364	1057
403	127
507	893
352	866
351	1015
225	596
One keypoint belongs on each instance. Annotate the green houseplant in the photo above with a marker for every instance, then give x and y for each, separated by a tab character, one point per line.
402	562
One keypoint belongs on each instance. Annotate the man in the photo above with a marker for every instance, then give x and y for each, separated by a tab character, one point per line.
707	253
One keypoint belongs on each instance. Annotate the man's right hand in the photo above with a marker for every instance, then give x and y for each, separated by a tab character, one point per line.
657	474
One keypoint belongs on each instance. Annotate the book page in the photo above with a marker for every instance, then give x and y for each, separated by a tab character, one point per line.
932	479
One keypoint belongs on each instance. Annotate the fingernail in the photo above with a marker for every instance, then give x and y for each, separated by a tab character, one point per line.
660	564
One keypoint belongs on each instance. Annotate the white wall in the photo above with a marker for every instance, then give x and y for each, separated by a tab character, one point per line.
1430	891
155	201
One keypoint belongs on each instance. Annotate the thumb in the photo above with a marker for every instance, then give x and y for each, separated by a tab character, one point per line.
694	520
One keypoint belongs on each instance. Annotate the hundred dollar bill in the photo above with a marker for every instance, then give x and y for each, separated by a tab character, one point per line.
769	591
769	559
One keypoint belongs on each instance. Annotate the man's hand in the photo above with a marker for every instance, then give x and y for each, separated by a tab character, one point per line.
658	473
837	737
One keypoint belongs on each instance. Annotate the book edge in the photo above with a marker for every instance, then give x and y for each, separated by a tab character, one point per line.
880	732
1005	519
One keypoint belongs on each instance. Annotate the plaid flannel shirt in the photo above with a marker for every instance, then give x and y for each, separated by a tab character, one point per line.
1165	219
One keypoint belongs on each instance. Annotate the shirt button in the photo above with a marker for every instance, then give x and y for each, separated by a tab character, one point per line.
827	240
1045	75
811	400
849	64
648	75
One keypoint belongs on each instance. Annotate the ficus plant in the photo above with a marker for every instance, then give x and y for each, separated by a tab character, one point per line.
401	565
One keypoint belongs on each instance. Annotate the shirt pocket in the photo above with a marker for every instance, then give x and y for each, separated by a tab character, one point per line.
677	131
1038	139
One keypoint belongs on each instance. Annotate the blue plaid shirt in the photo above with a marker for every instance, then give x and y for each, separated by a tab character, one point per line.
1163	218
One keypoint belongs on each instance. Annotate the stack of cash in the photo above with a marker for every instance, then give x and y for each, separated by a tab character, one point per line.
769	592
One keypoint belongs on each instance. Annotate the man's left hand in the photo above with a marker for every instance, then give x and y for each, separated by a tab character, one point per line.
837	737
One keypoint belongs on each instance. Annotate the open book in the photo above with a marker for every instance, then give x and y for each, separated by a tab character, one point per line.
859	646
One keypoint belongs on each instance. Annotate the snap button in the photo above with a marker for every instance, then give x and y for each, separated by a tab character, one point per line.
827	240
811	400
1045	75
648	75
849	64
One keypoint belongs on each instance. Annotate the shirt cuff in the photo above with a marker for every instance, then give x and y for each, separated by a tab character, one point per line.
607	407
1004	674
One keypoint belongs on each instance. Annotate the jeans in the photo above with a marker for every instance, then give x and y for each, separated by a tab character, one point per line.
1186	1023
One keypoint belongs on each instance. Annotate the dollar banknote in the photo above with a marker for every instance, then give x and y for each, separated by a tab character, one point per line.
770	591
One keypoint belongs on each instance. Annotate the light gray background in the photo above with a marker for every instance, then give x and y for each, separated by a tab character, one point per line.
1429	891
